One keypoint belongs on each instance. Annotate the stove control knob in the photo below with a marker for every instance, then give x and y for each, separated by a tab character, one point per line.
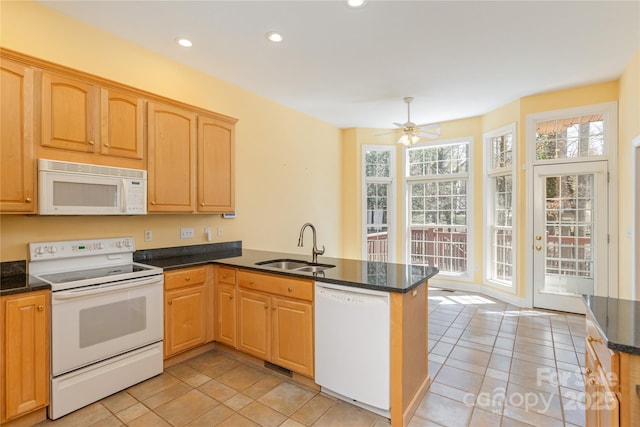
100	245
39	250
127	243
118	244
52	249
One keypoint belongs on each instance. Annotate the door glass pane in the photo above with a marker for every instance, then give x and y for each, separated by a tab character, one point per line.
569	224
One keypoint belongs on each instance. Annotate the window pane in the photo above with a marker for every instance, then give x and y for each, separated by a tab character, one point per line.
570	138
439	160
442	247
377	163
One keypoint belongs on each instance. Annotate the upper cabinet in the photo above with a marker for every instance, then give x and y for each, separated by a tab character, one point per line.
172	159
17	164
81	120
215	165
53	112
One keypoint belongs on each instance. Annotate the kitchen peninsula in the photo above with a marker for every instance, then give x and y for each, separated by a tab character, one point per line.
244	272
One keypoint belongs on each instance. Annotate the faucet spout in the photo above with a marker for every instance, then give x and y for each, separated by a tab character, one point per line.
315	251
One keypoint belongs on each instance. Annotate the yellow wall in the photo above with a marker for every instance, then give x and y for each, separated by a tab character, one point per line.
629	128
287	163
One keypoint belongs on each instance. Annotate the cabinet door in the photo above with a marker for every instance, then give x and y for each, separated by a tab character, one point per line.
590	381
171	161
184	319
215	165
226	314
69	113
17	185
26	353
292	335
253	324
122	124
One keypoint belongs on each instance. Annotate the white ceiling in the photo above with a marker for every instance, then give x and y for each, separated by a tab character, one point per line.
352	67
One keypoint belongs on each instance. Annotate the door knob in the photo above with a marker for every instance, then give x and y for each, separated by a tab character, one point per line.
538	237
538	248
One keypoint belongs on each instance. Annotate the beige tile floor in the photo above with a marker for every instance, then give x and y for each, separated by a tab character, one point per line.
492	364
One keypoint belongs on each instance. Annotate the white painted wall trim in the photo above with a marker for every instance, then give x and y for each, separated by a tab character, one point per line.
480	289
635	224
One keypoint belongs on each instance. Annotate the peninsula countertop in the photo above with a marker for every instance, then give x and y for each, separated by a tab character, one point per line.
618	321
381	276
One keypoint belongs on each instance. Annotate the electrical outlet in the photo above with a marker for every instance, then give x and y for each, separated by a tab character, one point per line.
219	231
207	233
148	235
186	233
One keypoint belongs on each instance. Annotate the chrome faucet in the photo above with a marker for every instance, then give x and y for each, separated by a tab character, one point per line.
315	251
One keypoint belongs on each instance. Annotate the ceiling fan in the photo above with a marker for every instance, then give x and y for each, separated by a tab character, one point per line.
411	132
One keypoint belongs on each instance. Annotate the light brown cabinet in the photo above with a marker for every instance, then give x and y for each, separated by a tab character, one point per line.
24	359
185	311
81	120
215	165
225	306
17	164
171	162
602	406
275	320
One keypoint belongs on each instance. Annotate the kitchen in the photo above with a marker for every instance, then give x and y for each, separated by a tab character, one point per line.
265	130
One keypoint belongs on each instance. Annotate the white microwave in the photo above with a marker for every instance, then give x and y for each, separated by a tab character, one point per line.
66	188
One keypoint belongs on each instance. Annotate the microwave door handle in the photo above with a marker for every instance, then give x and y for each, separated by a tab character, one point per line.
125	195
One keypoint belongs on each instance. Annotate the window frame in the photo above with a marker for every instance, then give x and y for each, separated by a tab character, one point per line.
468	275
489	175
391	199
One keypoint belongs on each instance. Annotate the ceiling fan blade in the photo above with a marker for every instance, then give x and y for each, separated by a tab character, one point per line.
431	135
386	133
429	125
400	125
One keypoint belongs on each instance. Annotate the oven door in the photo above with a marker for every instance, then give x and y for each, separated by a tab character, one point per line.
94	323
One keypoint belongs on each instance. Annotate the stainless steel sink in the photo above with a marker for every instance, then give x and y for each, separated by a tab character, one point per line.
285	264
295	265
315	268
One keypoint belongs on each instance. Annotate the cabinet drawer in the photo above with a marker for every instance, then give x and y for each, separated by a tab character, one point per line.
227	275
278	285
605	357
184	277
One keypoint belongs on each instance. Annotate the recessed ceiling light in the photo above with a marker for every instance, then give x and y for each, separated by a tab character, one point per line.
274	36
184	42
356	3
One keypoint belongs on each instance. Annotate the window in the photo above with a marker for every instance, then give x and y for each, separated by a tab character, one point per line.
570	138
499	187
438	193
378	200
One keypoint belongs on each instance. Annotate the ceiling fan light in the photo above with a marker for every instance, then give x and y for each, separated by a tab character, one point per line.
415	139
356	3
404	139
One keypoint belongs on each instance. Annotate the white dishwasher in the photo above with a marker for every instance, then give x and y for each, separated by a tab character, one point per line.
352	345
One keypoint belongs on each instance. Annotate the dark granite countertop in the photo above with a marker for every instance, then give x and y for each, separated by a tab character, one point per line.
14	279
380	276
618	321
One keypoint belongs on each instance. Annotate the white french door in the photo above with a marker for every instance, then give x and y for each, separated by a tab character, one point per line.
570	226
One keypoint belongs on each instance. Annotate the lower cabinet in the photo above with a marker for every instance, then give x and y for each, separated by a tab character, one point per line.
185	310
274	318
225	306
24	358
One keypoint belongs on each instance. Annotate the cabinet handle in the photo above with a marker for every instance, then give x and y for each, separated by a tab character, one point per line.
28	200
290	290
153	203
230	296
106	145
251	282
592	339
40	307
201	204
593	382
92	142
224	276
170	302
187	278
273	308
266	306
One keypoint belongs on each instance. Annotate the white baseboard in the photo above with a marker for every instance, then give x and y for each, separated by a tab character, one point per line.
481	289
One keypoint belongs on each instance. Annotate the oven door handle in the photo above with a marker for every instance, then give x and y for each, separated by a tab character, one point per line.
107	288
